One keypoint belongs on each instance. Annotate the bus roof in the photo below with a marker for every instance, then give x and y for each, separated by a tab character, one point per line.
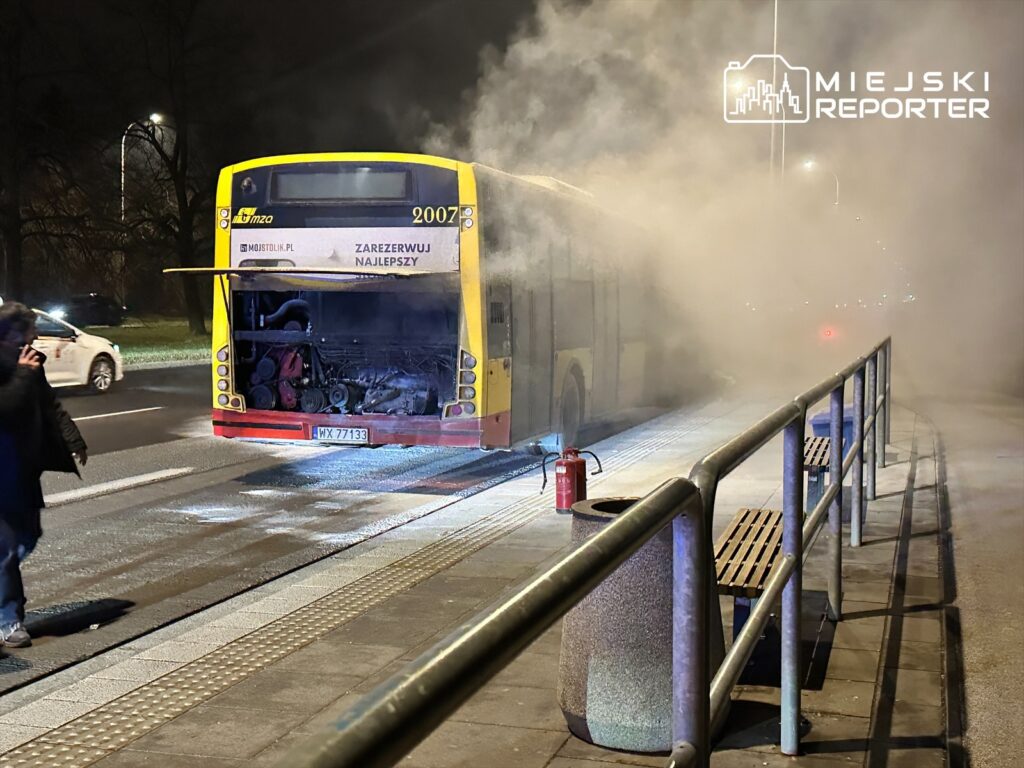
325	157
556	185
547	182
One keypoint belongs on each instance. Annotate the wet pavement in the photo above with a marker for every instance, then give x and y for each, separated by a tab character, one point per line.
242	682
980	475
144	408
112	568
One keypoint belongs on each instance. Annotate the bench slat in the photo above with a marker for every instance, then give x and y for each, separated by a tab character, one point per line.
747	550
772	549
759	552
817	452
738	549
755	554
731	540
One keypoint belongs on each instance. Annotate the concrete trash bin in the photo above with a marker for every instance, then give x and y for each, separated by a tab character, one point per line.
615	670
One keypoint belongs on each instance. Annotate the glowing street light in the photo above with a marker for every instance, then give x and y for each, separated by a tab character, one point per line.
810	166
155	119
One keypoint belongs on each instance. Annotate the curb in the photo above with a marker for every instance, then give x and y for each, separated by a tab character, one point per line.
148	366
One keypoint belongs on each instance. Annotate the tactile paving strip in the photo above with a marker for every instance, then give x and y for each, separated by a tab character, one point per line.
112	726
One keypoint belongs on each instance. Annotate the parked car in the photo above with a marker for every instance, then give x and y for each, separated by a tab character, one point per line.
90	309
76	358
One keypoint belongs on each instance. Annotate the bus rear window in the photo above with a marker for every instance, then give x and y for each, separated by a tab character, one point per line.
356	184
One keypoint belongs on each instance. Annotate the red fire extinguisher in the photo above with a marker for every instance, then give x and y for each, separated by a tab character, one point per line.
570	477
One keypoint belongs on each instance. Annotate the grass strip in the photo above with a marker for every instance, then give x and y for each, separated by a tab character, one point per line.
150	340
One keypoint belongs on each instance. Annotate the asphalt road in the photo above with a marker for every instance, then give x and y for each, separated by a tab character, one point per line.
168	519
144	408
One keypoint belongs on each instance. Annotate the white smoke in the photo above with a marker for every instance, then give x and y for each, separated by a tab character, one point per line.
623	98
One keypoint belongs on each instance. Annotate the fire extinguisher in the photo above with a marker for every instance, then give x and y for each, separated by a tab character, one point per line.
570	477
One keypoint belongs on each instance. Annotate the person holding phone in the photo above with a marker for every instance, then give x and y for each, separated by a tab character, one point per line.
36	435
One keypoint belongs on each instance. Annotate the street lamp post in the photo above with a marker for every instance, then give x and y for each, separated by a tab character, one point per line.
156	118
810	165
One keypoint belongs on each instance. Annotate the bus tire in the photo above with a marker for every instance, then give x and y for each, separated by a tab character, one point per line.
571	410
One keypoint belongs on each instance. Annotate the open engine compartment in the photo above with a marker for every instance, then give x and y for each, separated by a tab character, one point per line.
369	346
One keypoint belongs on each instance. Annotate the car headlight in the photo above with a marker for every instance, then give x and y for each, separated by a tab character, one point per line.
116	348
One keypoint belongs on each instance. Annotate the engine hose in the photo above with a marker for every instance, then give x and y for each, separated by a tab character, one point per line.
251	357
284	308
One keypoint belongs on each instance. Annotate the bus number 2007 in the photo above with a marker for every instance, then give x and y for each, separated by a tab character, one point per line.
439	214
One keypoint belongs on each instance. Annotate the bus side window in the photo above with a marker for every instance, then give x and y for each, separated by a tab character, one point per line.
499	320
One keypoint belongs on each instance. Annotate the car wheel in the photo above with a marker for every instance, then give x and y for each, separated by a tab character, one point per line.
571	411
101	374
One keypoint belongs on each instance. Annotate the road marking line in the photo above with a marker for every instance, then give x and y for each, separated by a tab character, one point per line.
119	413
124	484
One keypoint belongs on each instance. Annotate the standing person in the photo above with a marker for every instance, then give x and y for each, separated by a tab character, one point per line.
36	434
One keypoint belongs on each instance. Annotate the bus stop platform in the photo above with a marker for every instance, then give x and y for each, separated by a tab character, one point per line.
243	681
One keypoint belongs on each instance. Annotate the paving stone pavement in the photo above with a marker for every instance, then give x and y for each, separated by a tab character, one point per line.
227	687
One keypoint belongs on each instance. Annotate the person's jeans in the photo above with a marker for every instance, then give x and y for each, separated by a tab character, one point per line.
15	546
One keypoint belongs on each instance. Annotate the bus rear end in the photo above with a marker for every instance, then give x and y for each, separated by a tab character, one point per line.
380	340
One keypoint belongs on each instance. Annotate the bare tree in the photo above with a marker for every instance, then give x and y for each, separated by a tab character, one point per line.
40	204
16	148
173	57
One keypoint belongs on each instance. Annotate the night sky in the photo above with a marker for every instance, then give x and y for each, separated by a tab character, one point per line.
272	77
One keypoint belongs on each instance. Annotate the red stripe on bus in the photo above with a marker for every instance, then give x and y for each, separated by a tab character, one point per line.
490	431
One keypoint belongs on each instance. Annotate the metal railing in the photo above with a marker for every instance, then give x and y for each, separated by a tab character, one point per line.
390	721
786	577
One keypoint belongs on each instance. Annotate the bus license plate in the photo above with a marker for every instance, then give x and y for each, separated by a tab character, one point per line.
355	435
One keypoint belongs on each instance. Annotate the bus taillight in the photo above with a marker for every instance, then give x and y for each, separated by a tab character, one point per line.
226	397
466	393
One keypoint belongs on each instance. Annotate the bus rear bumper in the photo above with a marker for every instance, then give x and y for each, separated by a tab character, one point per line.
485	432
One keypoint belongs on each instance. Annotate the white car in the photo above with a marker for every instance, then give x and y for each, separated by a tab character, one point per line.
75	358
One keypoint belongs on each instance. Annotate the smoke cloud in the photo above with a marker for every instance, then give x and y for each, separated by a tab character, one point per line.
624	98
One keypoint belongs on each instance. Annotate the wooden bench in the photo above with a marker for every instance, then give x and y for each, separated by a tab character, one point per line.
747	550
745	554
817	458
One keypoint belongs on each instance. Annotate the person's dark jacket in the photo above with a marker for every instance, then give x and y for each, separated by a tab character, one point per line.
44	436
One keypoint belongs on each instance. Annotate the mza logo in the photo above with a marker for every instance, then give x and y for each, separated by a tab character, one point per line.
249	216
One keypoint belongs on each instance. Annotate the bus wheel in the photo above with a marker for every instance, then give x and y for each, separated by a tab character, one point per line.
571	411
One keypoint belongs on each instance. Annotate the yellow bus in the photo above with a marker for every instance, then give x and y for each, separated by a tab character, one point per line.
375	298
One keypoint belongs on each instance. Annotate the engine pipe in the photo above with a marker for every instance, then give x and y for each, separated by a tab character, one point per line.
281	311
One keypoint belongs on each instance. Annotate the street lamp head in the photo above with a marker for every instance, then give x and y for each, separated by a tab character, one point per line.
156	118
